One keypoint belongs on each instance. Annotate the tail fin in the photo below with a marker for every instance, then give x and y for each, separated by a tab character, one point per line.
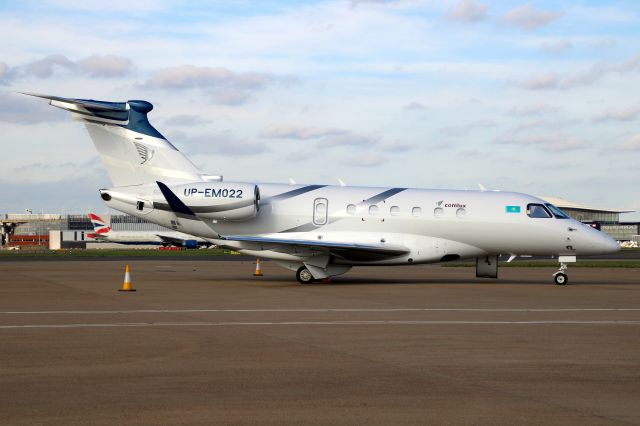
99	226
132	150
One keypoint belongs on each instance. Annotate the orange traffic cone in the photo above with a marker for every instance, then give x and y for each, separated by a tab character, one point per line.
258	272
127	281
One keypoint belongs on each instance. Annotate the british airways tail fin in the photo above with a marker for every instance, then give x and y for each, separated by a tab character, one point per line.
99	226
131	149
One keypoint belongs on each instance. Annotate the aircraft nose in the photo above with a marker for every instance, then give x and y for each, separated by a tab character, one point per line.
603	243
610	245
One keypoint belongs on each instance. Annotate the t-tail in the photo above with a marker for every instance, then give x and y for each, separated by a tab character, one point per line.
132	150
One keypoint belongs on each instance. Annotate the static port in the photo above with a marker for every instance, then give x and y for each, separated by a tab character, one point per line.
105	196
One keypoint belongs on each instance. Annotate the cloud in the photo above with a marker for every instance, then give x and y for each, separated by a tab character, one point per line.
397	146
532	109
300	132
550	80
543	124
527	18
349	139
225	86
558	46
186	120
224	143
190	76
467	11
4	73
541	81
34	167
45	67
20	109
632	144
414	106
365	160
464	129
105	66
550	143
626	114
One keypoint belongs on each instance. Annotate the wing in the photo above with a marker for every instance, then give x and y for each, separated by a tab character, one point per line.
349	251
171	240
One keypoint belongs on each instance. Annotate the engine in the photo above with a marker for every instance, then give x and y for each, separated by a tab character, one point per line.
219	200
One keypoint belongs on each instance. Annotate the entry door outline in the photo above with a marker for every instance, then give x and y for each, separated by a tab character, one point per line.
320	216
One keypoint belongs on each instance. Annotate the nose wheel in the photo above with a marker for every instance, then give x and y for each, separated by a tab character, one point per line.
560	277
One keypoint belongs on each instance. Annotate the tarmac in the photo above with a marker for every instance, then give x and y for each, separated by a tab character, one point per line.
208	343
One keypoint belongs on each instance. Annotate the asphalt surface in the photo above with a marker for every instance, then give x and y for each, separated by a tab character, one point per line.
207	343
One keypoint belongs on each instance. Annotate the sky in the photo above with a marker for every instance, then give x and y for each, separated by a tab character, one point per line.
541	97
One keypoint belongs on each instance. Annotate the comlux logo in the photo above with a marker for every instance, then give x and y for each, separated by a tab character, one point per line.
458	205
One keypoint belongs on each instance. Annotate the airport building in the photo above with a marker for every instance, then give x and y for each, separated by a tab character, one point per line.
35	229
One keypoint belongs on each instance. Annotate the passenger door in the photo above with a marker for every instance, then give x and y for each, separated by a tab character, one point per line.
320	211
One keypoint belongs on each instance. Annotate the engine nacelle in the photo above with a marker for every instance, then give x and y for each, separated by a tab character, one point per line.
220	200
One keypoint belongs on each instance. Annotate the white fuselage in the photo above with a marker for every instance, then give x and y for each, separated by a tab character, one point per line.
434	225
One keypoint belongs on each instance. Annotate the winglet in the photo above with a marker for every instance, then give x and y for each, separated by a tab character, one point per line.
174	202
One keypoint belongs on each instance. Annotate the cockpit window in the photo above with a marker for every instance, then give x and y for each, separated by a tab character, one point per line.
537	211
557	212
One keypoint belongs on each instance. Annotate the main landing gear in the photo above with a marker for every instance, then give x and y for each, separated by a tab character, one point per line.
560	277
304	276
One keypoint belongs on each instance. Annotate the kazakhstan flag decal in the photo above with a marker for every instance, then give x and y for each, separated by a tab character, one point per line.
512	209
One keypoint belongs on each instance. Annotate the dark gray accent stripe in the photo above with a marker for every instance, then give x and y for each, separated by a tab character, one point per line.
176	206
291	194
382	196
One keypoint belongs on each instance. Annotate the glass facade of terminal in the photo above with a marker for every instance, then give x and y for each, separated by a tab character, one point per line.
599	216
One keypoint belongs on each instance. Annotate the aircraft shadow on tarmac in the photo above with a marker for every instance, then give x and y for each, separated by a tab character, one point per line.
340	281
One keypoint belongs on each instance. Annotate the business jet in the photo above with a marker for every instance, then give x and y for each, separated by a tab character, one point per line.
320	231
103	233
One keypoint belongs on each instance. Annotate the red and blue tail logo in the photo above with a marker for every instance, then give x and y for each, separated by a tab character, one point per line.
99	226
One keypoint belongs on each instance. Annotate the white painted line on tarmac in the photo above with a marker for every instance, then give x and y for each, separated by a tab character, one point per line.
185	311
309	323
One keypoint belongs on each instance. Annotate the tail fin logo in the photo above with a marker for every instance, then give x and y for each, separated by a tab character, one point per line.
99	225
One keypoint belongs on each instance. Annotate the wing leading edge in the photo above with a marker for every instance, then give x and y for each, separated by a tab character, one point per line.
350	251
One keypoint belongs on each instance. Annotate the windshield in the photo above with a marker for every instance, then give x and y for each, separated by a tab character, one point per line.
557	212
537	211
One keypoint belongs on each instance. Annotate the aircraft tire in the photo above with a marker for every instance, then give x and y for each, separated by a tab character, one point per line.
304	276
560	278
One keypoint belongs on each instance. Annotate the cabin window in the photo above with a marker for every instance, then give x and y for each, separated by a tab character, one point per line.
351	209
373	210
394	210
538	211
416	211
559	214
438	212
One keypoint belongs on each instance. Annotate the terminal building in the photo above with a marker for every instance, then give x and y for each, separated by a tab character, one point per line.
607	220
34	229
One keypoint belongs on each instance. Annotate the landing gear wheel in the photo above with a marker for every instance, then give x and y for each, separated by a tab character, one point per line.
560	278
304	275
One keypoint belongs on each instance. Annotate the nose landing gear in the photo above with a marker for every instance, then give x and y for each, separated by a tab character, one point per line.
560	278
